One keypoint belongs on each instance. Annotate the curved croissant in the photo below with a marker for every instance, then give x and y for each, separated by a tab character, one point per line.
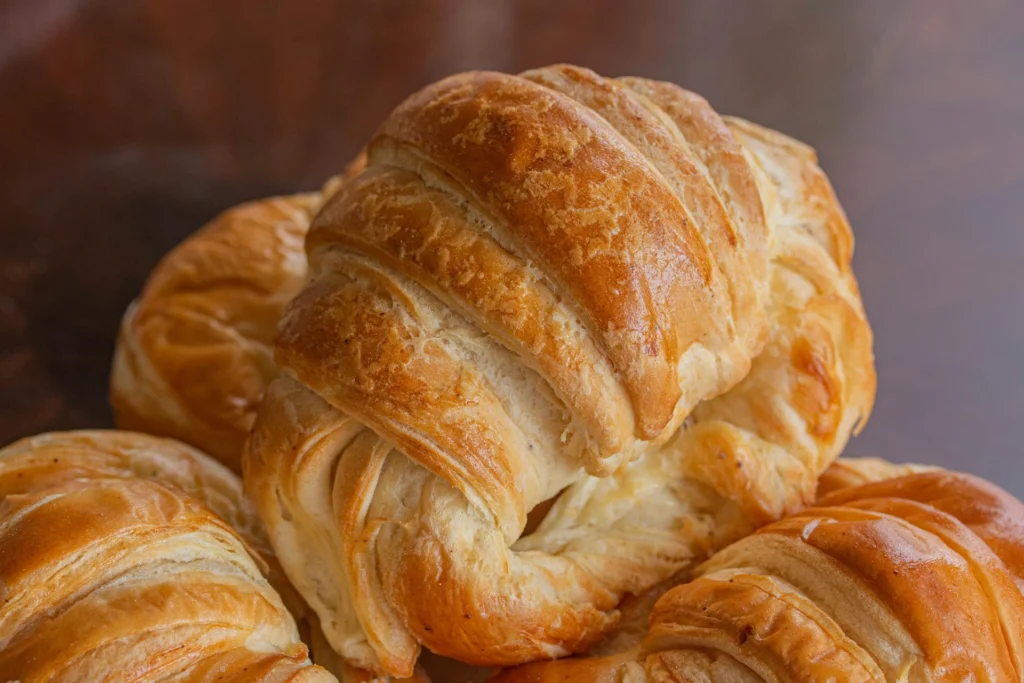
61	456
916	578
113	565
530	287
194	353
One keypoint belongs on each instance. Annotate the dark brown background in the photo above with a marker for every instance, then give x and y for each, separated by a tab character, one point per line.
124	124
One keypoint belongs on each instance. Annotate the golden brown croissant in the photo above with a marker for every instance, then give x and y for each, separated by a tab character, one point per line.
916	578
194	351
113	566
61	456
194	355
534	282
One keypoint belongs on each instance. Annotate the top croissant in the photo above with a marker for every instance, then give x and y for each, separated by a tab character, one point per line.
557	232
532	284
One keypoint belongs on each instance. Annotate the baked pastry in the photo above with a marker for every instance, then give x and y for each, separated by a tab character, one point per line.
916	578
530	287
57	457
114	566
61	456
193	354
847	472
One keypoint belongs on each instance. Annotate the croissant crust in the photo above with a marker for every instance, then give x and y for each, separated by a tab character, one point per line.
113	566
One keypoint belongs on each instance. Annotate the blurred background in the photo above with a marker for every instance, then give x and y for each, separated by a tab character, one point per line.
125	125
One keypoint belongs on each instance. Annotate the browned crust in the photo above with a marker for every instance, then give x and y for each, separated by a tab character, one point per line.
194	350
109	565
586	207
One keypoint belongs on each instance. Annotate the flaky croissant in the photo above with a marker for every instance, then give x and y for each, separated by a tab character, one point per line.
194	353
530	287
113	566
916	578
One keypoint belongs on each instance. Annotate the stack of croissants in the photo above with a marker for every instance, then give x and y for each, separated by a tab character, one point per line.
548	385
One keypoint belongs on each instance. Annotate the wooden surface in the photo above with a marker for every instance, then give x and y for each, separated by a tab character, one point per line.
125	124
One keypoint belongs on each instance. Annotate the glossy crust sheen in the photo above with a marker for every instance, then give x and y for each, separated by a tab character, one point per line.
916	578
113	566
532	284
61	456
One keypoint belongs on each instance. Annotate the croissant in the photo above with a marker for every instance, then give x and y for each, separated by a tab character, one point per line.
193	354
114	566
551	285
916	578
194	351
